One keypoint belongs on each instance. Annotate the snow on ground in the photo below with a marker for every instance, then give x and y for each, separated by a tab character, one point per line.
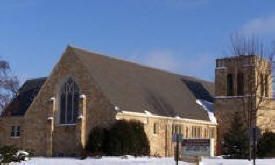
103	161
138	161
236	162
209	107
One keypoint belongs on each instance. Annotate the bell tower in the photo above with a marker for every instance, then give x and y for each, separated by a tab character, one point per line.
242	84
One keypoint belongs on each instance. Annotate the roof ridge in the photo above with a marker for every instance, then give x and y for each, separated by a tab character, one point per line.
38	78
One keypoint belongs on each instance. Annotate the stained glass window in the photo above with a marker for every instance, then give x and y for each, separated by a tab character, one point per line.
69	98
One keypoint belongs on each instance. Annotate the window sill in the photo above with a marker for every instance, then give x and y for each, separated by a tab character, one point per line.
67	124
15	137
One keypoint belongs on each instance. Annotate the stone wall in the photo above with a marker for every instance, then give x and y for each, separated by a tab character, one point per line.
225	108
252	67
266	117
48	137
161	143
5	131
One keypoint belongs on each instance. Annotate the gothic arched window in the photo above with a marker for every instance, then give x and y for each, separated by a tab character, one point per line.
230	85
69	98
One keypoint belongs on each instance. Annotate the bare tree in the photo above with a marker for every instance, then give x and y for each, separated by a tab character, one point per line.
272	53
8	84
258	75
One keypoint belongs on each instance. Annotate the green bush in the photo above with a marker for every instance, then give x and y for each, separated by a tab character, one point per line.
8	154
266	145
236	141
13	154
96	140
127	138
122	138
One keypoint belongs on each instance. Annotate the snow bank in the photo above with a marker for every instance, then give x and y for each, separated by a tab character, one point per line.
236	162
138	161
103	161
209	107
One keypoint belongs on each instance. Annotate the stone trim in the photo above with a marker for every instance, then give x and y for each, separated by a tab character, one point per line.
164	117
223	67
60	125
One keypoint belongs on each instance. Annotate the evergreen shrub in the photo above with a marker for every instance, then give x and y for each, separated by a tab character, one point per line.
122	138
266	145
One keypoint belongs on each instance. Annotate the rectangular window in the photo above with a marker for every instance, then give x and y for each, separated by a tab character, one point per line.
15	131
12	131
193	132
155	129
205	133
176	129
266	86
186	134
173	129
198	132
18	131
262	84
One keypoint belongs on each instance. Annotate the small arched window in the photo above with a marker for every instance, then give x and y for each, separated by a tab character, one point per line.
230	85
69	99
240	84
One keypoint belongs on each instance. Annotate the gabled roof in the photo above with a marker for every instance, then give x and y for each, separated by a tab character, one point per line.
136	88
24	97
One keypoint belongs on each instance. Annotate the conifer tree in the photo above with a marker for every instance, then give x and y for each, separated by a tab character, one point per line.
236	141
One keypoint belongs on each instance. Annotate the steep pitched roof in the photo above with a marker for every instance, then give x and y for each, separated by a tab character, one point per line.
133	87
24	98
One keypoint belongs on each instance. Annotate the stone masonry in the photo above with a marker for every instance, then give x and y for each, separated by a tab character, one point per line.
161	142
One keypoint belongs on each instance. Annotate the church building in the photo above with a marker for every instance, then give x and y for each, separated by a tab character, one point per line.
54	115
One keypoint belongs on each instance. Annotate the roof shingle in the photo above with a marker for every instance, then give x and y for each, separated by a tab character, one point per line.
24	98
137	88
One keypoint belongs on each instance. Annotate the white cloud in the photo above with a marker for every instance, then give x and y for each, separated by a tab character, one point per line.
163	60
202	66
261	25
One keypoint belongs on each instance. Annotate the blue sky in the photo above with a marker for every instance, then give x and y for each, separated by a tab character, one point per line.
183	36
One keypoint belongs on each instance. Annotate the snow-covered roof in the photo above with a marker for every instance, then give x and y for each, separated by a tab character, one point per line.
209	107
